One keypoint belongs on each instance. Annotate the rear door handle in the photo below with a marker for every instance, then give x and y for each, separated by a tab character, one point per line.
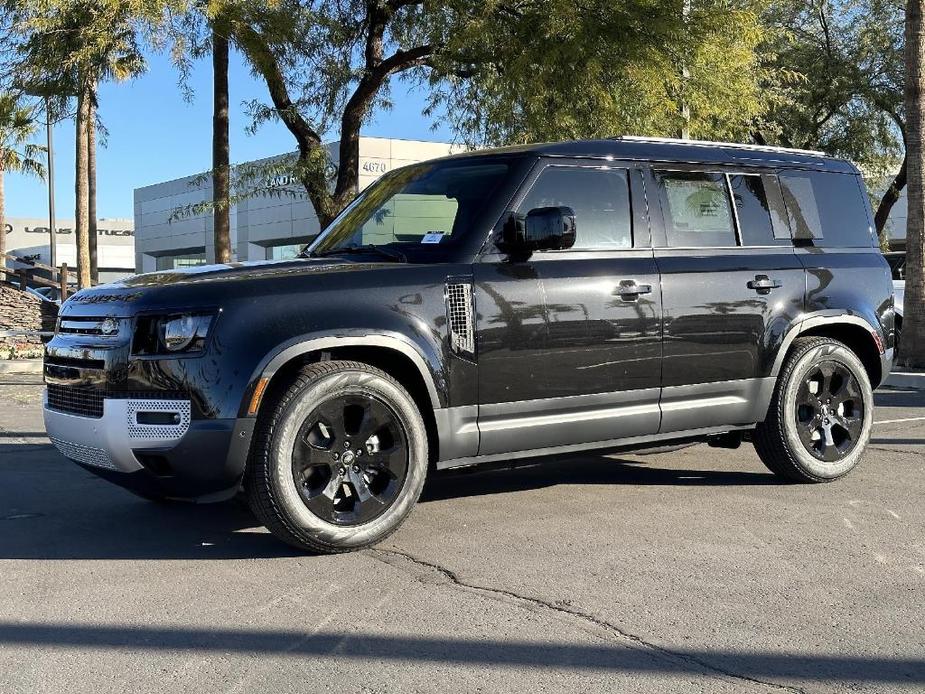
763	283
629	290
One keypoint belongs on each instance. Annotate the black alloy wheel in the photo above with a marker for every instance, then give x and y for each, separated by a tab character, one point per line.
350	459
830	411
821	413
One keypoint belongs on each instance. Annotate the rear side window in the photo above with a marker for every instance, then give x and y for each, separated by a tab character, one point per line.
762	221
826	208
599	197
696	209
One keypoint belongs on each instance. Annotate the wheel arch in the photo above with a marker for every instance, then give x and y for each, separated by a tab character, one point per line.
858	333
405	361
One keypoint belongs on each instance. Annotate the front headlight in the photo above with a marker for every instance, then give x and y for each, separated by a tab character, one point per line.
183	333
177	334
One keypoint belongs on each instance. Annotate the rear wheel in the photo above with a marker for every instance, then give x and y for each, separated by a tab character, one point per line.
339	460
820	417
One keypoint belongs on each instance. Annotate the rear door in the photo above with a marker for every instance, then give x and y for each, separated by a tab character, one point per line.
731	287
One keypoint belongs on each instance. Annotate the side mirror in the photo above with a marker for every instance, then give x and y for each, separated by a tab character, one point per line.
541	229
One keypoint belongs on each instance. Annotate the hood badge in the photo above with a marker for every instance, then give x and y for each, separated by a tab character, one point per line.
109	326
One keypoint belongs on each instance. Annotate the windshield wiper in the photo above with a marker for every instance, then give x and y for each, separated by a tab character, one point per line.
385	252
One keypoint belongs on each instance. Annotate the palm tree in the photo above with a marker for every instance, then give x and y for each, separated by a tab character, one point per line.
17	154
913	348
221	163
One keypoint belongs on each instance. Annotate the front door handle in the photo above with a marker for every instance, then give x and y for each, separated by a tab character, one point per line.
763	284
629	290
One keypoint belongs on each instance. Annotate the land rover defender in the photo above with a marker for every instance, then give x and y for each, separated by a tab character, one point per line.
498	305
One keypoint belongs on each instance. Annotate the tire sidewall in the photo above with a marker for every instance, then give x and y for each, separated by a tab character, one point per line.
811	465
300	519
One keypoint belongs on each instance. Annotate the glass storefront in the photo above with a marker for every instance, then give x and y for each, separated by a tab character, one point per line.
284	252
173	262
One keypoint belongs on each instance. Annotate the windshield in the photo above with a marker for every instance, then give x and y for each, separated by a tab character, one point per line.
422	205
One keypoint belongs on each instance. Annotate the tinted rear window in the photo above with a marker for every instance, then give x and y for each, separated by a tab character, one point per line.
760	221
826	208
696	208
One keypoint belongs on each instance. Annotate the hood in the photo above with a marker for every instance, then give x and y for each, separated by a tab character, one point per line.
254	269
203	285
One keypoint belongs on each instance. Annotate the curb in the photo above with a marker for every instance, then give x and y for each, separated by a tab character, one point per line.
21	366
905	379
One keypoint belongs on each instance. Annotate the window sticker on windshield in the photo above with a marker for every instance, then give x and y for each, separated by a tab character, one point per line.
433	237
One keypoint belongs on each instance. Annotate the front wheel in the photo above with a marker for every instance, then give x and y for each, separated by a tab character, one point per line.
339	460
821	413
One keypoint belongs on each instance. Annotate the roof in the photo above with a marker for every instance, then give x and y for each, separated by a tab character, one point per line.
680	151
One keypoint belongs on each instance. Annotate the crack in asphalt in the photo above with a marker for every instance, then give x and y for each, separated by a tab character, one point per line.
894	450
614	630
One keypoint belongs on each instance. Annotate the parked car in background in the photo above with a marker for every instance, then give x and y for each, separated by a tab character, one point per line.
512	303
52	294
897	262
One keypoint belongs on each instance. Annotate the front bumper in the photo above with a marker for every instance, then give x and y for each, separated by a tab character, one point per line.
201	460
110	442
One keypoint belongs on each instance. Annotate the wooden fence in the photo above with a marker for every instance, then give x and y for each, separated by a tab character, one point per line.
28	274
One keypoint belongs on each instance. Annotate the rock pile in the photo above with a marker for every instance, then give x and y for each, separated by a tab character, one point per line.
23	311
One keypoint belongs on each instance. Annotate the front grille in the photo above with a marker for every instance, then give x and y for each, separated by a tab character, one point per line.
87	325
76	400
88	402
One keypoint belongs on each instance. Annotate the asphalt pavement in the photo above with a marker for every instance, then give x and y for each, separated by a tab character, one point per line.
691	571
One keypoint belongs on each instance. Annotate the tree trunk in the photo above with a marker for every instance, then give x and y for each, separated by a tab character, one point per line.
913	346
81	192
221	155
91	185
889	199
2	225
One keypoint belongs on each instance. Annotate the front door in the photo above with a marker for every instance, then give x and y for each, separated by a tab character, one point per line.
570	341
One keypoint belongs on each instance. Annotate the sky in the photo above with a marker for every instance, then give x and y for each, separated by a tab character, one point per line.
154	135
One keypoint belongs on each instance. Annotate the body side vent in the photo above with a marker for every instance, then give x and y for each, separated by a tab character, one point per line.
459	315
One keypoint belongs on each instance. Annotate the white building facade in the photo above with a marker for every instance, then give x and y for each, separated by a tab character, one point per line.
171	232
29	238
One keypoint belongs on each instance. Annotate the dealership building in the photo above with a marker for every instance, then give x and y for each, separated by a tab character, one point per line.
29	239
173	229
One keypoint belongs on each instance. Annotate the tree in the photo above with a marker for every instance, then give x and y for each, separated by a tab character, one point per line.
17	153
82	186
201	31
553	69
501	72
839	86
221	154
91	188
913	348
94	40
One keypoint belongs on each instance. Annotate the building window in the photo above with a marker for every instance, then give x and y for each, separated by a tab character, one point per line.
173	262
286	252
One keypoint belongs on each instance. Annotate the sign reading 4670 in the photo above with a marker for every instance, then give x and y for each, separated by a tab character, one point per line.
374	167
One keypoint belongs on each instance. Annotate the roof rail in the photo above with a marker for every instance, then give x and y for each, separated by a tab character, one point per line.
707	143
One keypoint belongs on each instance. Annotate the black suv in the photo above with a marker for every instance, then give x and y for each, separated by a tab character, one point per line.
510	303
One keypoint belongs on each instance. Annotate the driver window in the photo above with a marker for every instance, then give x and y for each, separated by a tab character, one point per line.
599	197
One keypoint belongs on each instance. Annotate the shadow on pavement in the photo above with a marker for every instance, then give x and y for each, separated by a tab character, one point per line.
888	397
580	470
540	654
52	509
897	440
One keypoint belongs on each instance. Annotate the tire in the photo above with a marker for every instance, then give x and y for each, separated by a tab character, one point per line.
307	488
792	441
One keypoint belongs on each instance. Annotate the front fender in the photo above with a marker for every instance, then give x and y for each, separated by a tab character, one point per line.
426	358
